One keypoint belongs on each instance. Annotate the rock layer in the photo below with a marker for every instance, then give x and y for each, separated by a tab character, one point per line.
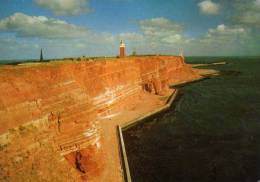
55	110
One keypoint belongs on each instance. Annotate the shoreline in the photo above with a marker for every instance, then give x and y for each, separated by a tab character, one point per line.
209	64
123	127
148	106
165	147
82	122
170	101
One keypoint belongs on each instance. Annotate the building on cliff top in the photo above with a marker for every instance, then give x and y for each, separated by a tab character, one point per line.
122	50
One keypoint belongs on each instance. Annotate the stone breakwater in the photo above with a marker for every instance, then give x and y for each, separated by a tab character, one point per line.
54	116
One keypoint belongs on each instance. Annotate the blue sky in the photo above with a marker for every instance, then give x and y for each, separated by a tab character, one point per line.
71	28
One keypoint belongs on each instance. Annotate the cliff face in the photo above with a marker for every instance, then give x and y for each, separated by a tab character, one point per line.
56	109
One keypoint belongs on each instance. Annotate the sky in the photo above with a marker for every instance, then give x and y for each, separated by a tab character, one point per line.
74	28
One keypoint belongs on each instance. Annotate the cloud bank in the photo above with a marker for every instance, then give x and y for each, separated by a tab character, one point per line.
27	34
160	29
247	12
65	7
40	26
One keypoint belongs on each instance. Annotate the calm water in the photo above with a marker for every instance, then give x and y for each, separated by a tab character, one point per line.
212	133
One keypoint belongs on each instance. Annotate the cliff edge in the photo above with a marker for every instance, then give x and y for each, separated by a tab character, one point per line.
57	119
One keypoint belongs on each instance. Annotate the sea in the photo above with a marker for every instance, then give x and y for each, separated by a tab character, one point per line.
211	132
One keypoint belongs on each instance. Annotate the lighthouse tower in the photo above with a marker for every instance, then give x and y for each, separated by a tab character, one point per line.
122	50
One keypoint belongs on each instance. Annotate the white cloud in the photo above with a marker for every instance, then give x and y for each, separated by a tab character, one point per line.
247	13
161	35
224	39
155	25
251	18
172	38
59	38
65	7
157	35
162	30
208	7
223	29
161	22
40	27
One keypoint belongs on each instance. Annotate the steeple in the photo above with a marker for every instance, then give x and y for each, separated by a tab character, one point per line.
41	56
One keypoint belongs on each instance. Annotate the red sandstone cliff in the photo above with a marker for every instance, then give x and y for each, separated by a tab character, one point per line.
50	111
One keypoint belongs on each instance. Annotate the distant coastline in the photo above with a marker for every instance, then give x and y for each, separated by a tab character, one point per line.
199	59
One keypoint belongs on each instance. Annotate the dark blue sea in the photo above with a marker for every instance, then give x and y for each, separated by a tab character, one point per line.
211	133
